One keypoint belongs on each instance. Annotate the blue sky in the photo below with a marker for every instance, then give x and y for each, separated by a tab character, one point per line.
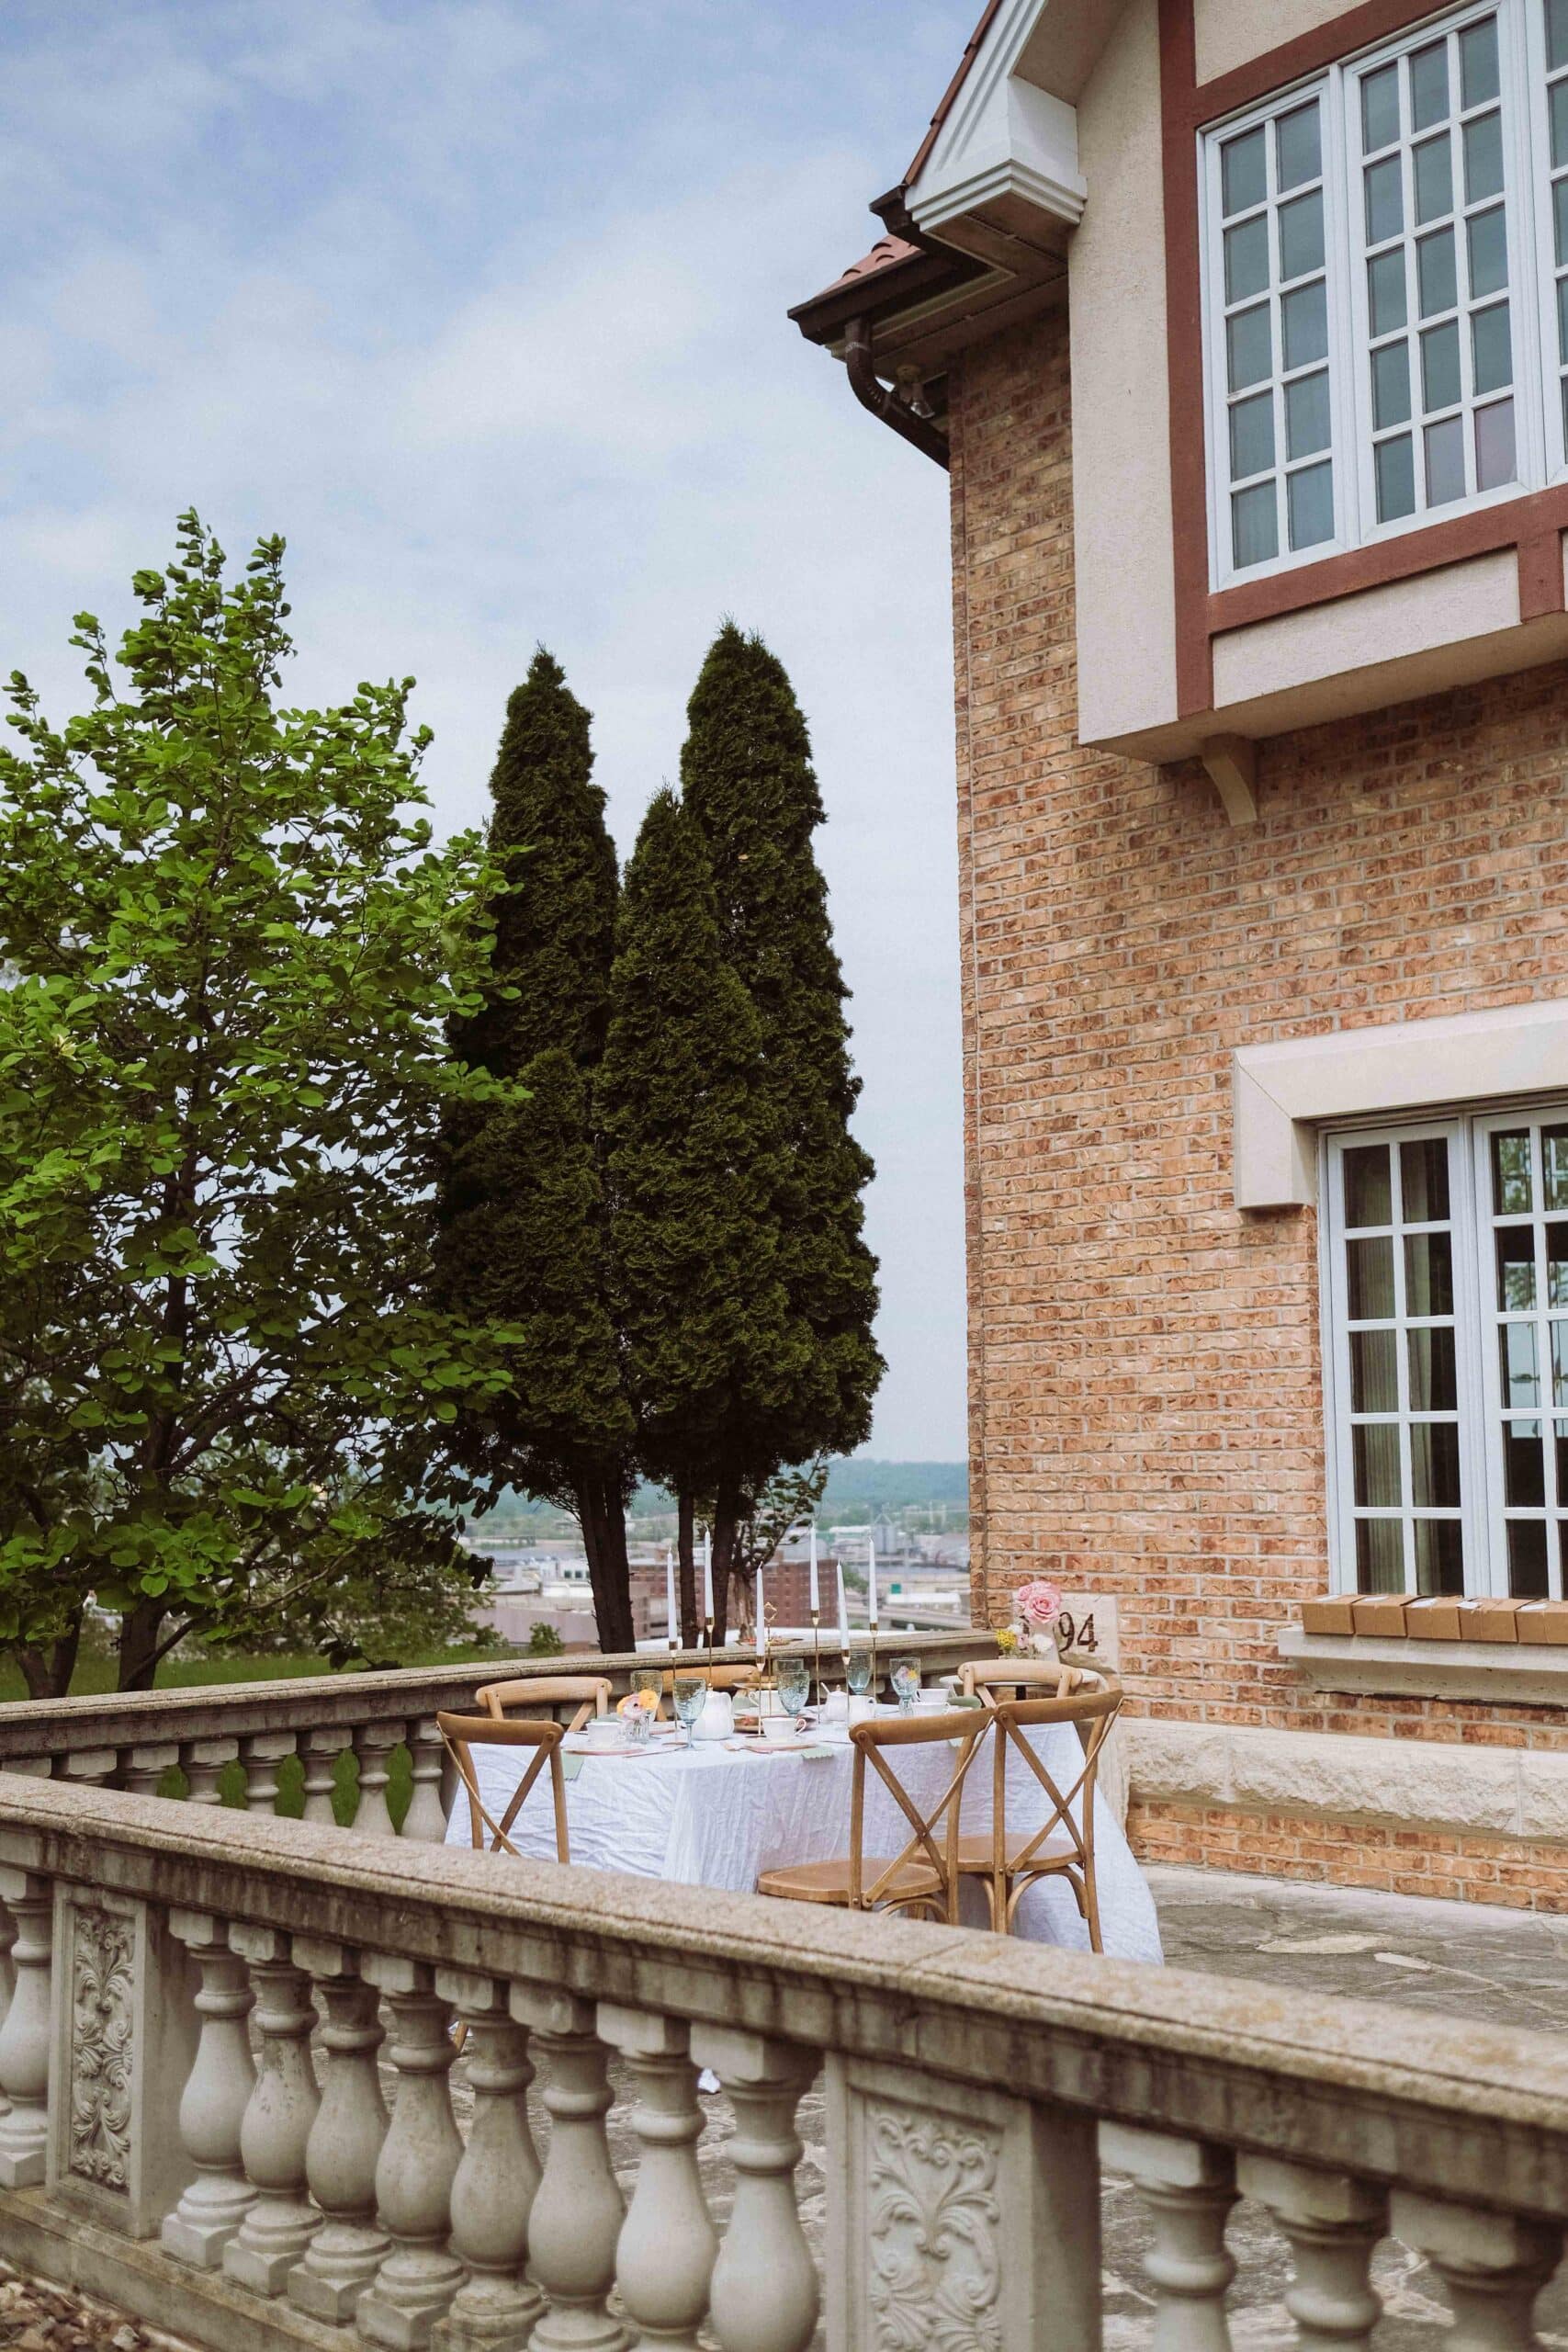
482	306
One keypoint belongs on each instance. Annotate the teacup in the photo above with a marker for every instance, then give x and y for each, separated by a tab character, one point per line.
779	1728
602	1731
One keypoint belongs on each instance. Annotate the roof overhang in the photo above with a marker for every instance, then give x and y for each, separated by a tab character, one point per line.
1001	165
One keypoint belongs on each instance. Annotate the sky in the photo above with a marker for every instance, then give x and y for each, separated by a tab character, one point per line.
481	304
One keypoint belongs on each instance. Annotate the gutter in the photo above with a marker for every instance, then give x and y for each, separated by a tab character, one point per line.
884	402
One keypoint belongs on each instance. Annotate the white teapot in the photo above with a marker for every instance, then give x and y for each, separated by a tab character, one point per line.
717	1718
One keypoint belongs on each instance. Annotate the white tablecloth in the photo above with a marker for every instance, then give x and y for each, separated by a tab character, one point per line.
709	1816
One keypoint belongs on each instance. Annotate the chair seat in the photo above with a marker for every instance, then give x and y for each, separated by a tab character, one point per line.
828	1882
1054	1853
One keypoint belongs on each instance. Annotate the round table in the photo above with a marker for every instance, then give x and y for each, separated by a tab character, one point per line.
715	1813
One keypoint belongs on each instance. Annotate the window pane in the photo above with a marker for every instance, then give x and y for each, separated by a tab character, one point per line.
1516	1269
1556	34
1374	1449
1559	209
1521	1385
1512	1193
1435	269
1307	415
1300	236
1560	1363
1385	293
1369	1194
1489	251
1434	179
1380	1555
1375	1372
1429	1274
1255	525
1563	312
1434	1464
1298	151
1304	320
1439	367
1429	86
1559	123
1386	201
1424	1181
1554	1166
1370	1268
1491	348
1557	1275
1252	436
1434	1375
1478	63
1251	347
1445	461
1380	108
1563	1469
1496	462
1247	258
1439	1557
1391	385
1483	158
1524	1466
1526	1559
1243	172
1310	497
1396	478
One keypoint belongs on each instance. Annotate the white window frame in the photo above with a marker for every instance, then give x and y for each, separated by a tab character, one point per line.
1541	455
1483	1512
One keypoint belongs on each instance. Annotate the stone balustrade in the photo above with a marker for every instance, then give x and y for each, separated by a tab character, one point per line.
230	2040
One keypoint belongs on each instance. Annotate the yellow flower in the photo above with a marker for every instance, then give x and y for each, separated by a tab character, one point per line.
1006	1641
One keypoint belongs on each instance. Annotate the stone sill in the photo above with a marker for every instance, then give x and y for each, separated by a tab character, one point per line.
1524	1673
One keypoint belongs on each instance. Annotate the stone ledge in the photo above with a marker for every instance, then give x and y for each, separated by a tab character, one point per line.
1398	1616
1519	1673
1439	1785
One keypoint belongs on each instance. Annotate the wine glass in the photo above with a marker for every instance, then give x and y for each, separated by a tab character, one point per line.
857	1672
650	1680
906	1681
690	1691
795	1684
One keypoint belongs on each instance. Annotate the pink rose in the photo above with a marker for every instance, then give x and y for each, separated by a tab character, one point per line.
1039	1603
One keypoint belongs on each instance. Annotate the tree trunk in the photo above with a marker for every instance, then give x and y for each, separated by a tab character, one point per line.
139	1644
726	1533
46	1673
601	1516
686	1560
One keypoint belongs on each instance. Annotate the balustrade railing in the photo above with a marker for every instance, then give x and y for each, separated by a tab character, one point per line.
231	2042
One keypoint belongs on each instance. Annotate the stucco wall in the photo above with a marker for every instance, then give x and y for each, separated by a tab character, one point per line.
1146	1415
1233	32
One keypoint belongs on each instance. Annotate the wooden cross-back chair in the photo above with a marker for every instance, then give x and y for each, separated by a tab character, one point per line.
1009	1863
924	1875
540	1691
463	1734
982	1678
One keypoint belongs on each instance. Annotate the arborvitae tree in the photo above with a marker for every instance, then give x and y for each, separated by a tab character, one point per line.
712	1354
747	781
522	1204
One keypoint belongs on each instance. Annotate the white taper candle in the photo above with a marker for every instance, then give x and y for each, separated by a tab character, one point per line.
708	1576
871	1580
843	1611
671	1622
816	1595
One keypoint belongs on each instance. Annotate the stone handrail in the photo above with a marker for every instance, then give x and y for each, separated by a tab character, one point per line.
975	2086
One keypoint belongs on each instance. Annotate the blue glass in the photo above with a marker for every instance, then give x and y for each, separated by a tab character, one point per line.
1244	173
1386	201
1379	108
1394	464
1483	158
1491	349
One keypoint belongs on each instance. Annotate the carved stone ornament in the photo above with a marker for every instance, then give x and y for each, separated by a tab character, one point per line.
102	1974
935	2228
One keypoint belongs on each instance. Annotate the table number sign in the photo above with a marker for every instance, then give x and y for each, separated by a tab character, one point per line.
1088	1630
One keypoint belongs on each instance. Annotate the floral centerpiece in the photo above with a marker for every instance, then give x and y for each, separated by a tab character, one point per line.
637	1712
1039	1605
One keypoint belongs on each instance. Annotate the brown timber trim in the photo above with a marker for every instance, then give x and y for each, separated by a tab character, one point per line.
1532	523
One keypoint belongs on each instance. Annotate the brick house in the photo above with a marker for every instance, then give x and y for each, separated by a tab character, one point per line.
1241	332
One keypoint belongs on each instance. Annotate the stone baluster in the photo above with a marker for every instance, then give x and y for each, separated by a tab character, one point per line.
664	2259
419	2154
1189	2187
425	1820
217	2094
142	1769
345	2139
24	2036
7	1967
494	2185
318	1753
578	2211
765	2294
89	1768
1493	2265
277	2119
260	1754
373	1745
1332	2223
205	1761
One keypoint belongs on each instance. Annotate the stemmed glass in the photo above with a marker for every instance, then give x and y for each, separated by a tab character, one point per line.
857	1672
795	1684
906	1681
690	1691
649	1678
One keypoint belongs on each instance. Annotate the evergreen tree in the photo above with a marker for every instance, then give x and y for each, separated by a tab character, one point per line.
712	1353
747	781
522	1203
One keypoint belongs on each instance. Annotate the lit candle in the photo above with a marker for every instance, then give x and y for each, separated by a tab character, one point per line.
762	1612
671	1625
871	1590
708	1576
816	1595
843	1611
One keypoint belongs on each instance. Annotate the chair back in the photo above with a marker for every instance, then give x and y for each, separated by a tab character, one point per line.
537	1691
463	1734
1091	1707
875	1743
980	1677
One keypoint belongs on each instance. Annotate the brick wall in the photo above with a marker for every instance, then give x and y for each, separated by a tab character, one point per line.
1146	1400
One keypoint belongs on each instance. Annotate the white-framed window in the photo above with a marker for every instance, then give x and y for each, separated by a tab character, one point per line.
1446	1354
1385	273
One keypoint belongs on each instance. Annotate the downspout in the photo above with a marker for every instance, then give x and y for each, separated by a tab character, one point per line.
884	402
